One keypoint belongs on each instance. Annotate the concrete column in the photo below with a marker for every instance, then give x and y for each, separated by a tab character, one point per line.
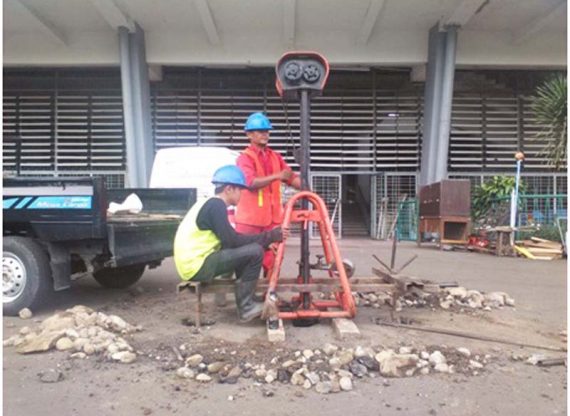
136	106
432	100
448	77
438	97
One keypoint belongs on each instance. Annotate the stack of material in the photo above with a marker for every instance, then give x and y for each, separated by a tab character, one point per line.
539	249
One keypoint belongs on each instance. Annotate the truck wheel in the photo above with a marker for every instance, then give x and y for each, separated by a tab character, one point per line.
26	274
119	277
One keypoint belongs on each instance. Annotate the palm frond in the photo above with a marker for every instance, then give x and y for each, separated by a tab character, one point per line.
549	107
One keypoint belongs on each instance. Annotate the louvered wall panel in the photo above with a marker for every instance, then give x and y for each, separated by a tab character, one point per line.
107	132
10	128
175	118
501	118
73	150
398	131
79	132
222	116
342	126
466	143
30	127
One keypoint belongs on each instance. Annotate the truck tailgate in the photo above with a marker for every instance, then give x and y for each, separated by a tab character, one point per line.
135	239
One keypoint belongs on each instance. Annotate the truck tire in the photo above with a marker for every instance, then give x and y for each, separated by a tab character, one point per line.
119	277
26	275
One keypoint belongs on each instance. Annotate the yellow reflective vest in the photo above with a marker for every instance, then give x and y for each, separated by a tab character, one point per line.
192	245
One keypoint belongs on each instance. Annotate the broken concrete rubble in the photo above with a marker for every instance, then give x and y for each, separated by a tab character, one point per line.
78	330
449	298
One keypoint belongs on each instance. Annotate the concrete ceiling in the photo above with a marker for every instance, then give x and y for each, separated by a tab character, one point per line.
493	33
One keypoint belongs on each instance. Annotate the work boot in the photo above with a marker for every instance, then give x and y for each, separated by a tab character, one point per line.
248	309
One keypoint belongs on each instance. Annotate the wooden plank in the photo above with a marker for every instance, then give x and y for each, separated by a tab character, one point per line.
539	250
525	252
542	240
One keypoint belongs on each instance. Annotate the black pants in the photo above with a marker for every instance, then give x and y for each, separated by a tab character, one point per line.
245	261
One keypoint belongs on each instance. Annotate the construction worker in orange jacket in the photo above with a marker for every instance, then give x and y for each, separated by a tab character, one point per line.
260	208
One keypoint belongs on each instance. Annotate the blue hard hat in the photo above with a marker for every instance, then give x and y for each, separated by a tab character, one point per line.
257	121
229	175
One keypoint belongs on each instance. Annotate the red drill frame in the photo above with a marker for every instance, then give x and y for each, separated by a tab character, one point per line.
343	298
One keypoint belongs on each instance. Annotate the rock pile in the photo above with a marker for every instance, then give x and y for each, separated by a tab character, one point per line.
458	298
81	331
330	369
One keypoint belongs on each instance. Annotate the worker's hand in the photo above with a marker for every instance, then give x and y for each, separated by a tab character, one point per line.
278	234
285	175
286	233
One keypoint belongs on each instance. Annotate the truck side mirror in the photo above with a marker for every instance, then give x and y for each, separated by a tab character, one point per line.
301	71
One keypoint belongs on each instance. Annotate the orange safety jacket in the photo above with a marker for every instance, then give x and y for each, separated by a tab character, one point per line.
261	207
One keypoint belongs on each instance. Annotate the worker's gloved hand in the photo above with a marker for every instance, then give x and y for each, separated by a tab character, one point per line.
276	235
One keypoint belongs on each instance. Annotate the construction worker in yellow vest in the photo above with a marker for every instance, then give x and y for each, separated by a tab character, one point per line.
260	208
207	246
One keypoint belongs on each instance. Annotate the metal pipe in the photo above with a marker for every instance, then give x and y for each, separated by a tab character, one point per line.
305	128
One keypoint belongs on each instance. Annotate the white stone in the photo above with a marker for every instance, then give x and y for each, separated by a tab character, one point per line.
32	342
269	378
457	292
313	377
64	344
25	313
307	385
509	301
71	333
88	349
445	304
330	349
204	378
308	354
437	358
405	350
80	355
288	363
441	368
392	364
194	360
25	330
495	299
344	373
345	357
185	372
475	299
323	387
464	351
57	322
424	355
422	363
125	357
424	371
475	364
297	379
215	366
535	358
334	363
345	383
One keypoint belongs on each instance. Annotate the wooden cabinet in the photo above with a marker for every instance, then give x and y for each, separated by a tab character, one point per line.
445	209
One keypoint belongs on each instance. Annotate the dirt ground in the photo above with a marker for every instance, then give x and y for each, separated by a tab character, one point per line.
149	386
